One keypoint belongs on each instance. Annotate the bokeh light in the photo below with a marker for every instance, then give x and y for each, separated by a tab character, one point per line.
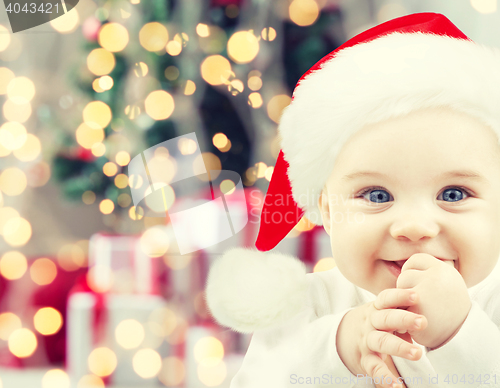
6	214
90	381
174	48
87	136
254	83
132	111
17	231
13	181
136	213
71	257
255	100
106	206
13	135
48	321
202	30
55	378
190	88
212	164
154	241
13	265
261	169
30	150
243	47
159	105
122	158
187	146
100	61
97	114
22	343
227	186
276	105
98	149
303	12
147	363
153	36
105	82
172	73
102	361
172	371
88	197
124	200
16	112
220	140
9	322
269	173
66	23
129	334
43	271
96	86
21	90
236	86
208	350
268	33
162	199
484	6
110	169
5	38
141	69
216	70
113	37
324	264
304	225
212	375
121	181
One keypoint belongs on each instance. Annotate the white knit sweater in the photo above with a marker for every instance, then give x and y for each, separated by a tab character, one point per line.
303	353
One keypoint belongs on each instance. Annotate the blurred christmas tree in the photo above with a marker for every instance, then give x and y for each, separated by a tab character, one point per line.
155	70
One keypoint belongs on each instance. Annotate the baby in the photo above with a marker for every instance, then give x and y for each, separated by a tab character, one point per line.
391	143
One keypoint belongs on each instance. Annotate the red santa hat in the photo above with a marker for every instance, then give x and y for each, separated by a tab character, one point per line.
409	63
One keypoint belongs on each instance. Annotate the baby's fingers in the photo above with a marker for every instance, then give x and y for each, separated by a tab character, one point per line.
397	320
379	371
395	297
382	342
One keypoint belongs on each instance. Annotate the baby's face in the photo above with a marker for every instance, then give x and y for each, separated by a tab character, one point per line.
428	182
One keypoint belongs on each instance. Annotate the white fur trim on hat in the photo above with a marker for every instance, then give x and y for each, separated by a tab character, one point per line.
370	82
248	290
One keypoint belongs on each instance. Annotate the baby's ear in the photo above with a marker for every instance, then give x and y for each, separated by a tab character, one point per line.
324	208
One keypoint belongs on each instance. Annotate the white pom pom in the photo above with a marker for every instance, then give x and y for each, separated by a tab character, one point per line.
248	290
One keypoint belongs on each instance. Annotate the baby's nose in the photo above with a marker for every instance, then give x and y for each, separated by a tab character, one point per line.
414	227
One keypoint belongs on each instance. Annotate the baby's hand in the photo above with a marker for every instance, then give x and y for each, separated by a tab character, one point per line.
366	334
443	297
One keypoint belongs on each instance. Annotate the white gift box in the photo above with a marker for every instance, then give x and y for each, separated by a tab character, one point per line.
81	334
117	263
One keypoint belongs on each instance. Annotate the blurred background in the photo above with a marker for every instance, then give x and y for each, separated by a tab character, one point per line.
95	290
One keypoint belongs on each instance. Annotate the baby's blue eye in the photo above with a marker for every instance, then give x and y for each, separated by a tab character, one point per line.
453	194
376	195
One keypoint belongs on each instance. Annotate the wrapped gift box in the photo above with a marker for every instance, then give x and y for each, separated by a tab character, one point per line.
92	323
